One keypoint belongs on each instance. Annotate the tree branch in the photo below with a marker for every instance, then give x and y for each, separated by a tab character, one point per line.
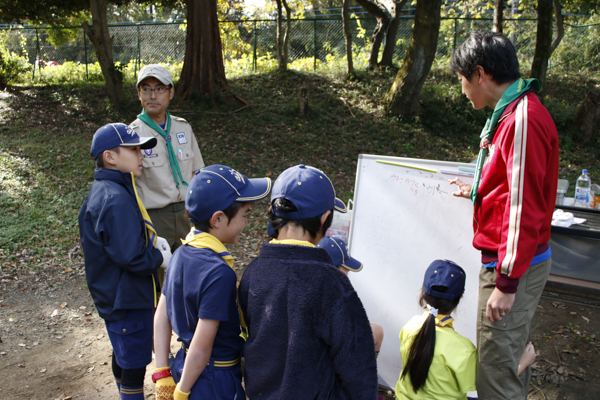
560	28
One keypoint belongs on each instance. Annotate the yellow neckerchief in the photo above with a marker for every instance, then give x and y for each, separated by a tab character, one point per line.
150	232
444	320
292	241
149	227
204	240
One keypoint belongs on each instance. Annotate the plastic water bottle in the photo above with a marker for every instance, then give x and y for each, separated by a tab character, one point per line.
582	190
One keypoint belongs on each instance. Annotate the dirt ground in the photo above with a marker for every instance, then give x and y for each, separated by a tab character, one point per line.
53	344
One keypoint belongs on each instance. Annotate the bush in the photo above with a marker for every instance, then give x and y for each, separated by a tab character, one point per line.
69	72
11	64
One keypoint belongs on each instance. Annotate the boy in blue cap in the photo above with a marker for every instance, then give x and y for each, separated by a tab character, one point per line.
199	299
337	250
122	253
308	332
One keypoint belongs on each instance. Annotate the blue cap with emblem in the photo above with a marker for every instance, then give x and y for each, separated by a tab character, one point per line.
115	135
309	189
444	274
216	187
339	253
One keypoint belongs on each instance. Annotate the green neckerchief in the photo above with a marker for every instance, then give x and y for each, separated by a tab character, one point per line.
487	134
165	134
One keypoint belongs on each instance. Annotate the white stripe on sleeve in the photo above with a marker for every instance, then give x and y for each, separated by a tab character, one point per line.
516	192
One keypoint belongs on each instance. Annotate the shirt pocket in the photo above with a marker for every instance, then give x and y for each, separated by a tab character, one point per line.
183	152
155	159
497	338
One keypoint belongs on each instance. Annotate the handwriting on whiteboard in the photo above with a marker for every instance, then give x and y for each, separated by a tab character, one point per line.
415	187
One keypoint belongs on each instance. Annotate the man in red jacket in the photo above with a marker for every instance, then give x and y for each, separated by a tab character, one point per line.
513	193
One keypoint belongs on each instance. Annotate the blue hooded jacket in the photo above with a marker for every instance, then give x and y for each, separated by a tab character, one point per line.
120	267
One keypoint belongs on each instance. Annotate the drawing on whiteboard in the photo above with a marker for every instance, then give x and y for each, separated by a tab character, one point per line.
414	185
434	189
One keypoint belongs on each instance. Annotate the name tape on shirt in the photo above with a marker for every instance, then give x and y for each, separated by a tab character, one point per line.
148	153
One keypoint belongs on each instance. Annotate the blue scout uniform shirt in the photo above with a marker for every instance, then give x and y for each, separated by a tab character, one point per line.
200	284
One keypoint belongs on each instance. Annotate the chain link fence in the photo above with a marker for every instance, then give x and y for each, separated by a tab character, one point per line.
250	46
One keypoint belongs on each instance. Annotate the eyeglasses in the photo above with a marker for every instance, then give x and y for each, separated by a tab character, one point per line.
157	90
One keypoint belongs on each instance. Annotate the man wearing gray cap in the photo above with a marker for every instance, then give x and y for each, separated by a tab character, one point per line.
170	165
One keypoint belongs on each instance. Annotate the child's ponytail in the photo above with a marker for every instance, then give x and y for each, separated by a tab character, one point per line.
421	354
422	349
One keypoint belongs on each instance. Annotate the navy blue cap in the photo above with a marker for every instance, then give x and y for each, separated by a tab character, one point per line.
339	253
216	187
309	189
447	274
117	134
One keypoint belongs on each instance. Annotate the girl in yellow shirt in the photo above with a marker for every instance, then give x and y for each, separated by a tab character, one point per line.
437	362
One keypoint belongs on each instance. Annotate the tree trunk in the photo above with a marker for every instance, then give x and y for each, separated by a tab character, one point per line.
587	120
203	69
102	42
403	98
379	32
390	41
498	15
282	65
3	80
286	36
347	36
560	27
543	43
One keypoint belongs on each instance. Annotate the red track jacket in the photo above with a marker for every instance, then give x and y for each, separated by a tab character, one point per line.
517	192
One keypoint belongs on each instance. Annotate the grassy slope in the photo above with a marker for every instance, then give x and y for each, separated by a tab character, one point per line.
45	134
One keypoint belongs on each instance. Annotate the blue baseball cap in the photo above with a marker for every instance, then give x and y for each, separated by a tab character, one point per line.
339	253
216	187
447	274
114	135
309	189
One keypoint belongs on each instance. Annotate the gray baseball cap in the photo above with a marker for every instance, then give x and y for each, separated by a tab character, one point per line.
155	71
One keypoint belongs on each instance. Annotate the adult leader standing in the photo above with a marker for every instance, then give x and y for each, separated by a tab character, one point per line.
171	164
513	193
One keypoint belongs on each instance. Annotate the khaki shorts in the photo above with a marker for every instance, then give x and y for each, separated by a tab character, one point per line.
500	344
170	223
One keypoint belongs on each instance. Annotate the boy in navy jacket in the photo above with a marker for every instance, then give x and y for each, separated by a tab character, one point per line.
308	333
121	254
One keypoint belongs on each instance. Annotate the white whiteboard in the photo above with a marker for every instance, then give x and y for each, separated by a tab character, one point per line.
403	219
